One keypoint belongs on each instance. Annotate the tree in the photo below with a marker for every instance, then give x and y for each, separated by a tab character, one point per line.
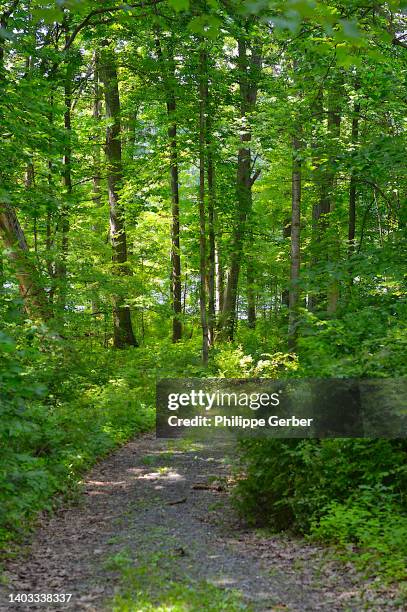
249	67
122	325
169	84
202	212
294	292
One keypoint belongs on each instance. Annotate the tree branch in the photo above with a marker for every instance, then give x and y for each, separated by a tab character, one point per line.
400	42
255	177
101	11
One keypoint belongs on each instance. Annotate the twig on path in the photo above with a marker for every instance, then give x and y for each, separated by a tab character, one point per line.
177	501
201	486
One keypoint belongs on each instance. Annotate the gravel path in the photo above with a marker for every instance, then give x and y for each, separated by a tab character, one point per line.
169	498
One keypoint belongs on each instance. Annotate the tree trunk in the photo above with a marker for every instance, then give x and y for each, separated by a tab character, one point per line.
353	181
63	224
219	280
96	114
325	176
31	288
29	183
96	180
294	294
212	250
202	220
334	131
30	285
123	335
248	79
317	111
168	79
211	219
251	293
285	294
176	288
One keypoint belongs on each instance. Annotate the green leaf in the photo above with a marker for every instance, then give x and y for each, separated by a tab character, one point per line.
205	25
48	15
179	5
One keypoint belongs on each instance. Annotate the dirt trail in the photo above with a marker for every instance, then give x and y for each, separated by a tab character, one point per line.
149	500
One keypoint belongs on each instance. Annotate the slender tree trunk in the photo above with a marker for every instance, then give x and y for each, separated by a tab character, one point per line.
219	279
334	129
50	234
168	79
184	295
211	218
294	293
29	175
176	287
251	293
325	175
29	182
353	182
97	115
123	335
96	180
63	224
202	213
352	213
317	111
212	249
248	79
285	294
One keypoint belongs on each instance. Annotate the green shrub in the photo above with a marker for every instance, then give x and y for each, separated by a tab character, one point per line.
379	535
64	405
233	362
59	412
305	485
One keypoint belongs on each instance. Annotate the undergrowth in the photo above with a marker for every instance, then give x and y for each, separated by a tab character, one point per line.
63	406
351	493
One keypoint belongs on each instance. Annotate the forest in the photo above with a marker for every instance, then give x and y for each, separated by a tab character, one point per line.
203	188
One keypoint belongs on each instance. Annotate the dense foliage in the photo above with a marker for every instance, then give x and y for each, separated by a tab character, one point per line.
214	188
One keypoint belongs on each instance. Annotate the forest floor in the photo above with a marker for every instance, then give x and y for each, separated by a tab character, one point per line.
155	530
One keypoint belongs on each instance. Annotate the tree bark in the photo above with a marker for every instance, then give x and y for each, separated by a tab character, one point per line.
219	279
317	112
285	294
353	181
176	288
202	212
168	78
96	180
63	224
325	175
334	132
294	293
211	264
251	293
29	183
123	335
249	69
212	249
29	279
97	115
